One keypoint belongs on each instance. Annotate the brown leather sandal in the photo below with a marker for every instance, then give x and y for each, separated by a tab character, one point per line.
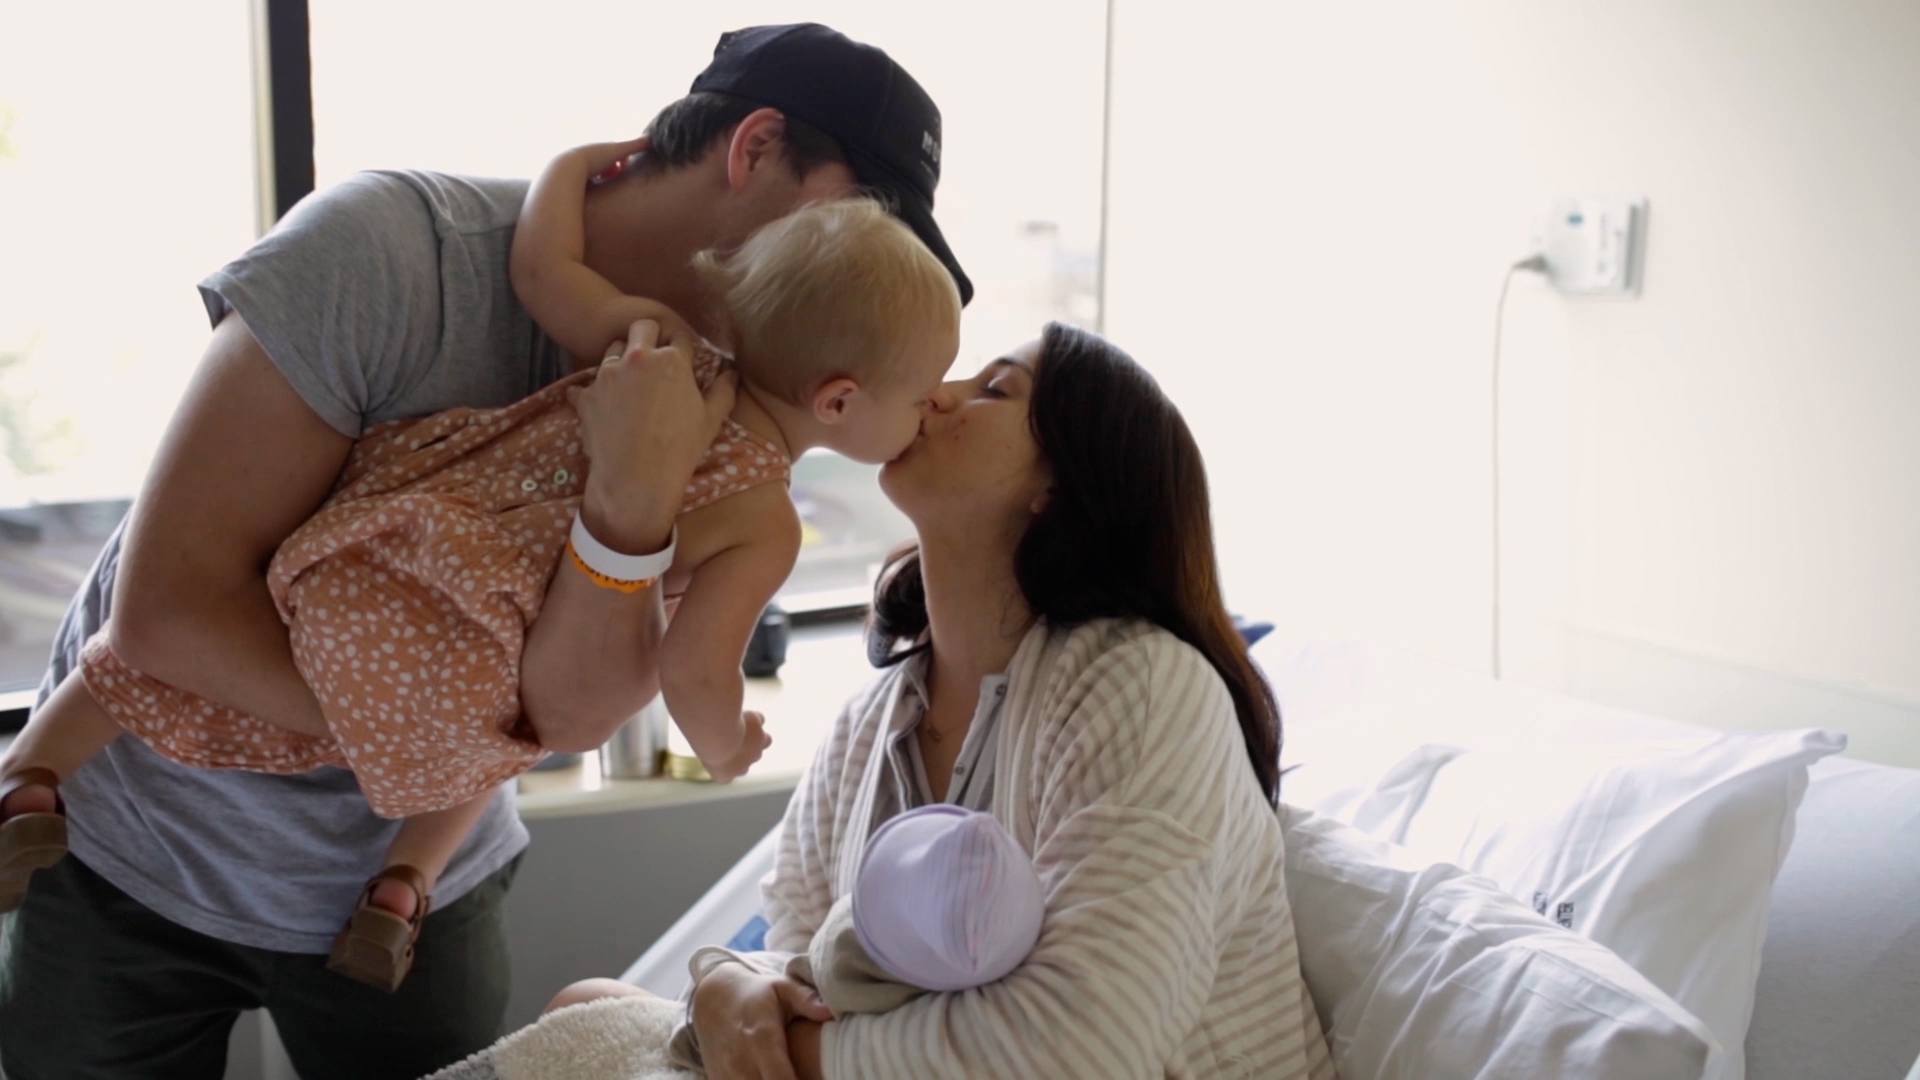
376	947
29	841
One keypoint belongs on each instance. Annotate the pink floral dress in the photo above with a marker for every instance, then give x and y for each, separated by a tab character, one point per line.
407	598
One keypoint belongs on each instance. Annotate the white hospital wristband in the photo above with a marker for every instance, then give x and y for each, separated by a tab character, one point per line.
602	559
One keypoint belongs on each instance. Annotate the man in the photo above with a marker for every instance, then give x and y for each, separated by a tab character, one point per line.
192	895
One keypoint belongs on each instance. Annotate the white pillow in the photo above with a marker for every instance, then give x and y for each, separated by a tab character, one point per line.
1664	851
1840	978
1426	971
1664	837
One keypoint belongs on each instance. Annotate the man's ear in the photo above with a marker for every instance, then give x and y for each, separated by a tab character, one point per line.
759	140
834	399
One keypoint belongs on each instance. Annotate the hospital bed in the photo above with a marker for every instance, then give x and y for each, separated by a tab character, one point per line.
1838	990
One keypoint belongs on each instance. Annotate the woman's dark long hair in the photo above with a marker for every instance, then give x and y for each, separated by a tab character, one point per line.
1126	531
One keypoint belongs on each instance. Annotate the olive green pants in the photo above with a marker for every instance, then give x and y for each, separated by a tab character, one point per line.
94	984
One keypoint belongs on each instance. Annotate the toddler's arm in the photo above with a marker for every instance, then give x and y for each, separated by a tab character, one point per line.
700	655
575	305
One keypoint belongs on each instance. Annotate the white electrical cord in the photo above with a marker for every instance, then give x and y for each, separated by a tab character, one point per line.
1534	264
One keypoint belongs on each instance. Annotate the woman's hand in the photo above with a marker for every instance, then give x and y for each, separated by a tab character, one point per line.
645	424
803	1049
740	1017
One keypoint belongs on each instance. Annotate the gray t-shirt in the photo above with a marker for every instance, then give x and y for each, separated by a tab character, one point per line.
384	297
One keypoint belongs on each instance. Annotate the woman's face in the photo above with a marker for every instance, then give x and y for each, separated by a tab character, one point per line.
974	469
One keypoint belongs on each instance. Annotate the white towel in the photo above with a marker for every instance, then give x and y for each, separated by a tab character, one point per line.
621	1038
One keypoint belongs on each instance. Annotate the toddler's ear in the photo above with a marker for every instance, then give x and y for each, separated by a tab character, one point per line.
834	399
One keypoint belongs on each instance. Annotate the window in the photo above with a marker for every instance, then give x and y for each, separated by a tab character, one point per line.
118	194
126	174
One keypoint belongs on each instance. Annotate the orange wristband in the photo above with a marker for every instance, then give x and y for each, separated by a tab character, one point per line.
601	580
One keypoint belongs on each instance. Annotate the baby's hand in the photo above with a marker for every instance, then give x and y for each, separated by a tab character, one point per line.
607	161
674	330
753	742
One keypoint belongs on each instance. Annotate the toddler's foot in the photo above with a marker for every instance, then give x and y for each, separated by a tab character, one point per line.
29	799
376	947
393	896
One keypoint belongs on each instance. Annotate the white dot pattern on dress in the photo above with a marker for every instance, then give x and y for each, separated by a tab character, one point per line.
407	598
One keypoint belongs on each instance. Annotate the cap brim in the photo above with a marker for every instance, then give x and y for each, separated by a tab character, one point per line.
908	205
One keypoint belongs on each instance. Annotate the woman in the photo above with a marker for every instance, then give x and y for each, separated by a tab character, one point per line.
1058	655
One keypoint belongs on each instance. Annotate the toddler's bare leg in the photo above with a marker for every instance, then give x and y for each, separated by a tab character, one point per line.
593	990
427	842
376	948
60	736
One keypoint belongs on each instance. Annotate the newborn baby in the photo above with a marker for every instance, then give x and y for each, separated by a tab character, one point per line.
945	900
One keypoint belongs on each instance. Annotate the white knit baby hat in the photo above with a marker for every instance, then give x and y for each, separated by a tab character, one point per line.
946	900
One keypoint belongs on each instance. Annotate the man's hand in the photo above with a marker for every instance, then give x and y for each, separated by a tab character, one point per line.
645	425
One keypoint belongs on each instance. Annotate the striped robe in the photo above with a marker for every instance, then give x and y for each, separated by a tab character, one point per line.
1168	947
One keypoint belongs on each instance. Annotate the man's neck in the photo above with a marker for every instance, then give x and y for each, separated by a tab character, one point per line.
643	232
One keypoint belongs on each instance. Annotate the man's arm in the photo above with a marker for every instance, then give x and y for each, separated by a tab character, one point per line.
243	463
589	662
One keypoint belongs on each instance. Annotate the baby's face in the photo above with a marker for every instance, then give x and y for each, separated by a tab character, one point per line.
887	418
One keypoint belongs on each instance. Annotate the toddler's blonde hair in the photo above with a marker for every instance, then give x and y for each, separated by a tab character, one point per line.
834	289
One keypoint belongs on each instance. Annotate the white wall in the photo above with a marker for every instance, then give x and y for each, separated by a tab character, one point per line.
1311	207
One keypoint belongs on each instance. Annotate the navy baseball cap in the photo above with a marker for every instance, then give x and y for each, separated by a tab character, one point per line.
888	126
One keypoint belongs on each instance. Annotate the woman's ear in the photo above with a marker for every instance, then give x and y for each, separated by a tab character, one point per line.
759	140
834	399
1040	502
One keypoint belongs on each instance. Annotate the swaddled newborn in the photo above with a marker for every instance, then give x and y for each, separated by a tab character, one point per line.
945	900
